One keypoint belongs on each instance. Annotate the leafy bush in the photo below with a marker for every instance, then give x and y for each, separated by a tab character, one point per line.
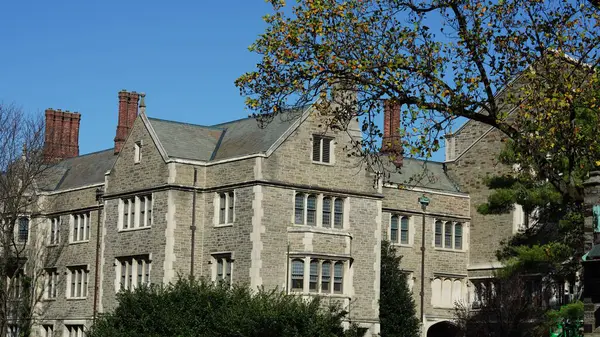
197	308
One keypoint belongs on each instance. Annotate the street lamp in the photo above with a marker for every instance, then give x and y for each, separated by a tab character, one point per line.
424	201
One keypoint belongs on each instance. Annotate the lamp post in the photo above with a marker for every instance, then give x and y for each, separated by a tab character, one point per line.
424	201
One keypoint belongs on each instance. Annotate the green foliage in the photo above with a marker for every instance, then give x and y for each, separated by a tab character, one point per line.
396	305
197	308
440	61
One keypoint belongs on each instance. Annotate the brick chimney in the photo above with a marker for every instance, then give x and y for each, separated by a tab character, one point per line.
128	110
62	134
391	143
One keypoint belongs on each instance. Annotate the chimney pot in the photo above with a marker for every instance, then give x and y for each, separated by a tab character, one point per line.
391	142
62	135
128	110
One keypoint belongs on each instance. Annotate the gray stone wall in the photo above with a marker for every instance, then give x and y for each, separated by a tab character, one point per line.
150	172
292	162
63	205
469	172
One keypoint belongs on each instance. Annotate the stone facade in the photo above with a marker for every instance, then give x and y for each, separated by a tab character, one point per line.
262	240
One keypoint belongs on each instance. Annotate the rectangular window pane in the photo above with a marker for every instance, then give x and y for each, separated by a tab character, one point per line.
222	207
338	221
316	148
297	274
314	275
87	226
125	213
458	236
231	203
404	230
299	209
311	210
338	277
326	150
142	211
326	277
228	271
438	234
448	235
327	212
394	229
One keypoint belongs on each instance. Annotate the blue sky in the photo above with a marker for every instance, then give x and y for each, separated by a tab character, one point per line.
76	55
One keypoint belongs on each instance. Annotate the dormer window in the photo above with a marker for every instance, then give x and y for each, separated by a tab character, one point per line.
137	156
322	149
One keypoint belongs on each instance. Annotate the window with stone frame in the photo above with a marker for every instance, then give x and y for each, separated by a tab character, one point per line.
325	276
75	330
77	281
137	152
449	235
23	229
54	233
226	204
80	227
133	271
400	229
223	268
51	289
438	234
322	149
307	207
135	212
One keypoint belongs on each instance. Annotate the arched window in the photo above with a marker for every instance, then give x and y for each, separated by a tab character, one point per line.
338	218
311	210
458	230
404	230
438	233
457	292
23	229
326	277
297	274
299	209
394	229
314	275
448	234
327	212
338	277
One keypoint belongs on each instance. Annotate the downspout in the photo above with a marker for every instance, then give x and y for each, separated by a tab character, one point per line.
287	270
99	194
193	226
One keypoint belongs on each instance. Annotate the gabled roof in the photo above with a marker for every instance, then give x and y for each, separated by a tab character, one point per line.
421	173
79	171
222	141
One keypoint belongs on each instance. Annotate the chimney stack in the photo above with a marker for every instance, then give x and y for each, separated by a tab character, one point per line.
392	143
128	110
62	134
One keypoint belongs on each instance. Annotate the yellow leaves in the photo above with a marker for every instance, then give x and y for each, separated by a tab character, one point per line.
597	162
446	93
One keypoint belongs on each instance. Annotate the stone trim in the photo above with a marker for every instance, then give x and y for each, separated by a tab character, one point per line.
255	237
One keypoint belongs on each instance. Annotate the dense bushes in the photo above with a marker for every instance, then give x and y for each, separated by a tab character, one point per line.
196	308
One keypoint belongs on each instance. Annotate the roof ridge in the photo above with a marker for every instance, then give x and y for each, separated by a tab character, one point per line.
89	154
183	123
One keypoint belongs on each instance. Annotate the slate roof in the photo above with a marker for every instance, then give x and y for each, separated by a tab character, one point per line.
420	173
78	171
222	141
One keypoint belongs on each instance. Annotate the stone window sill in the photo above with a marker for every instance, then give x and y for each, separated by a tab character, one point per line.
134	229
405	245
315	294
76	298
223	225
78	242
320	230
450	250
331	163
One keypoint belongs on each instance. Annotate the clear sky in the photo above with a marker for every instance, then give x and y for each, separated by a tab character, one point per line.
76	55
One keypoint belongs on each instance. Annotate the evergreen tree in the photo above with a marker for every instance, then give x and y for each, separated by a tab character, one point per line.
397	313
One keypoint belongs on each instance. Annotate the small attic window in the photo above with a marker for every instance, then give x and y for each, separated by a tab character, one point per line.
137	156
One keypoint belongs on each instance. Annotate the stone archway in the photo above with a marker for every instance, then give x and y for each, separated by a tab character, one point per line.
443	329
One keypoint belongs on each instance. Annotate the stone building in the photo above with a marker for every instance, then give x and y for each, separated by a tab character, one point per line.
283	206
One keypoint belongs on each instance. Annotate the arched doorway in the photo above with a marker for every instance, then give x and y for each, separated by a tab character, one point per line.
443	329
